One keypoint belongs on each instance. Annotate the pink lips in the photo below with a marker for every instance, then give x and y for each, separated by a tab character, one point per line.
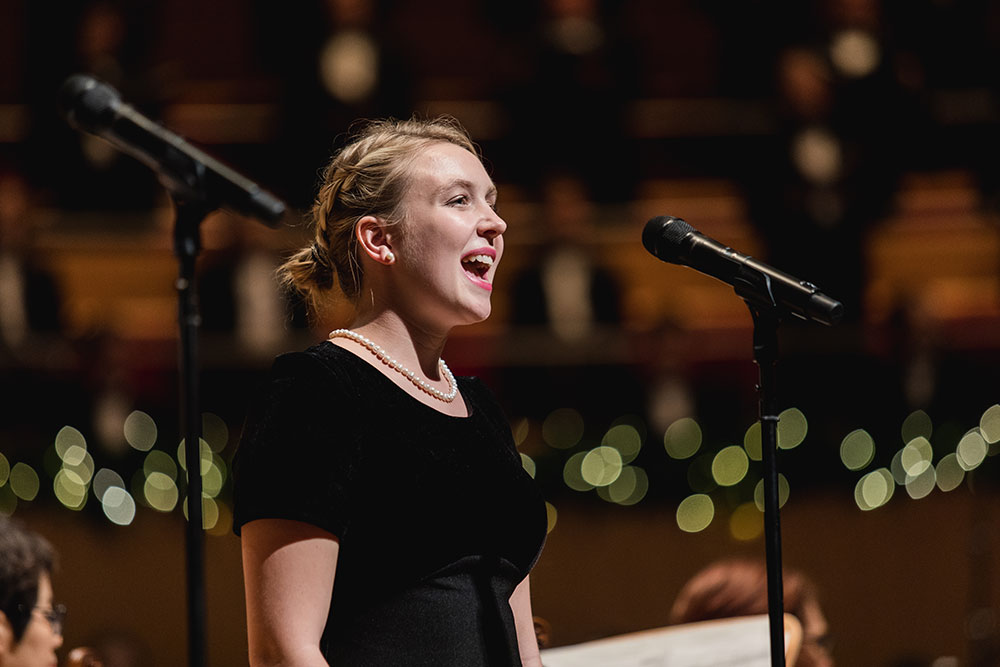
489	252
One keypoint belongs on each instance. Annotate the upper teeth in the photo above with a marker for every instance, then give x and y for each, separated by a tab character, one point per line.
482	259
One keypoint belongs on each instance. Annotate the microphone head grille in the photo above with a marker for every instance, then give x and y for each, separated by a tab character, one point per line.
88	103
663	234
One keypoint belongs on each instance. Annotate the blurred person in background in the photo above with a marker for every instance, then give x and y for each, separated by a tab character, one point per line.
30	301
738	587
30	623
385	515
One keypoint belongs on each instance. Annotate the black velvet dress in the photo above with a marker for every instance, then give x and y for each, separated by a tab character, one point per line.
437	520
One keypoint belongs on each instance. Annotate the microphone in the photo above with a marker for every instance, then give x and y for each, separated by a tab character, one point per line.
93	106
672	240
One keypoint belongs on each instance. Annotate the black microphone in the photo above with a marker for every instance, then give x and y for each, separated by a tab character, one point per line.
673	240
95	107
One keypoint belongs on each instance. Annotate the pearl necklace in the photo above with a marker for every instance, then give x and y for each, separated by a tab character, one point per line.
406	372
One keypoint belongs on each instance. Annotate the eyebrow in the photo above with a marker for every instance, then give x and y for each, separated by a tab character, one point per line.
468	185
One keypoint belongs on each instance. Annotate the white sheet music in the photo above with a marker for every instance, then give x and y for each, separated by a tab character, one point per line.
737	642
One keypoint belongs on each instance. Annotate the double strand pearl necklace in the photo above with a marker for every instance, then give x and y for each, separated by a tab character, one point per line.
406	372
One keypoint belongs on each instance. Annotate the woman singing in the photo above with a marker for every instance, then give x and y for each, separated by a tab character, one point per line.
384	513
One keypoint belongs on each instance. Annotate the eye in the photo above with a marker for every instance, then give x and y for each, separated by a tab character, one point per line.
460	200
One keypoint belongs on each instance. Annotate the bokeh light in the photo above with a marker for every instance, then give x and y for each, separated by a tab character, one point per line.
917	425
528	464
209	512
874	489
562	428
626	439
730	466
896	468
160	492
157	461
630	487
551	516
971	450
214	431
682	439
601	466
695	513
857	449
784	490
989	424
752	442
24	481
916	456
950	473
206	456
8	501
104	480
69	438
792	428
746	522
572	474
520	431
70	489
213	478
920	486
140	431
4	469
118	505
224	521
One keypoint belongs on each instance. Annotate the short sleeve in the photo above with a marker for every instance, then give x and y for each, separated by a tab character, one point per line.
299	448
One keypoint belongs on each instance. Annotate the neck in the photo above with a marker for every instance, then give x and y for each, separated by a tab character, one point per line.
410	344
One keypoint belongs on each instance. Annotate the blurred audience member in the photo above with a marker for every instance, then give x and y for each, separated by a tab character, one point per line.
109	39
30	623
29	296
564	288
238	293
339	62
577	75
827	177
737	587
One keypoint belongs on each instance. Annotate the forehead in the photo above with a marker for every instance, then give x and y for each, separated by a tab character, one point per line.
441	164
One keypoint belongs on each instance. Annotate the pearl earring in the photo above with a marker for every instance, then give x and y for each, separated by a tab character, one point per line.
389	257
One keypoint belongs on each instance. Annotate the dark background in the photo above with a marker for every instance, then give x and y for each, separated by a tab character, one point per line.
852	143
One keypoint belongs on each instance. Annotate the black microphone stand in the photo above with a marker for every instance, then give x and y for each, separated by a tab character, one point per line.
755	288
765	350
187	244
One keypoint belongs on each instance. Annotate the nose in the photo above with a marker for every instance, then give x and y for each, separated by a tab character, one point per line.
492	225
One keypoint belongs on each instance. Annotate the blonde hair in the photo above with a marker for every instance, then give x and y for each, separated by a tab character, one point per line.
369	176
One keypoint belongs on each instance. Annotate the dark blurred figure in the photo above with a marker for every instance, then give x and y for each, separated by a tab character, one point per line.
29	295
108	39
338	62
575	74
565	309
30	623
564	288
737	587
238	294
826	178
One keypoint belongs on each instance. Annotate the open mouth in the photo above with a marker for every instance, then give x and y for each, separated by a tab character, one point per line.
477	265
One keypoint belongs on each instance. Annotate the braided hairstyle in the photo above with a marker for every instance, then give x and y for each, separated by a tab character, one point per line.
369	176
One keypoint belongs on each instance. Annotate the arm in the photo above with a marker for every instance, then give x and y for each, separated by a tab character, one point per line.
520	604
288	569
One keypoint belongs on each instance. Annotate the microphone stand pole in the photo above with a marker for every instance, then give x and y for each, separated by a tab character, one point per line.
187	245
765	349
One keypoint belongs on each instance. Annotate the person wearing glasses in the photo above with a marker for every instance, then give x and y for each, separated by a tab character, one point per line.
30	624
385	515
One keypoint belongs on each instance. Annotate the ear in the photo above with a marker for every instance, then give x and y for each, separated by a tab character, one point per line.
374	239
